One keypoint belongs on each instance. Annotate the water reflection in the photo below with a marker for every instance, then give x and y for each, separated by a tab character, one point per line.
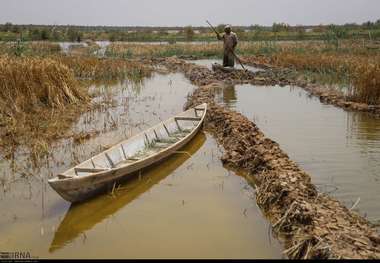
341	150
187	207
82	217
229	95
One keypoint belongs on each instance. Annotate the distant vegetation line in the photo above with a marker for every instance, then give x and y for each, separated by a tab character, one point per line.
278	31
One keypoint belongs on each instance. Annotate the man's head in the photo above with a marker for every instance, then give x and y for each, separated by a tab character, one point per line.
227	29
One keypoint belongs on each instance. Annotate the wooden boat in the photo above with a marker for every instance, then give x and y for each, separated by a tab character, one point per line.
81	218
127	157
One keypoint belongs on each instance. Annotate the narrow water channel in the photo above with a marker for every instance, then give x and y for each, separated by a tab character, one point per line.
188	206
339	149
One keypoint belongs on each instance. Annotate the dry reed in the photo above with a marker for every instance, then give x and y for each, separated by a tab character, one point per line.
39	99
26	83
360	69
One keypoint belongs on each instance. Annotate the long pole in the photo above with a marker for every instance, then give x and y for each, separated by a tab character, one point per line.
238	59
230	50
216	32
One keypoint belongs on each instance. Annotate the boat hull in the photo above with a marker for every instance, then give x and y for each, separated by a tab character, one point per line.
91	186
81	188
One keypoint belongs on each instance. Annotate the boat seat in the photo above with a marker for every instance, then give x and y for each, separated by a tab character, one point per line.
89	170
187	118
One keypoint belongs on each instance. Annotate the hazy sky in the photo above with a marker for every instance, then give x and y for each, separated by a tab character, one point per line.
187	12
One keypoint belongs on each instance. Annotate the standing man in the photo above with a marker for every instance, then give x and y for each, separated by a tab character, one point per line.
230	41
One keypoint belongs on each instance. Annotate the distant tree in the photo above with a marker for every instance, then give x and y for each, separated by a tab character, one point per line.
301	32
16	29
189	33
55	35
74	35
368	24
45	34
35	34
257	33
163	32
112	37
280	27
255	27
319	29
8	27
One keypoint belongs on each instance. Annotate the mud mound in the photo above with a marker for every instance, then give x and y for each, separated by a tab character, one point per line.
201	75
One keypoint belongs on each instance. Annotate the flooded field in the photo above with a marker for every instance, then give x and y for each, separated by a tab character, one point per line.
339	149
188	206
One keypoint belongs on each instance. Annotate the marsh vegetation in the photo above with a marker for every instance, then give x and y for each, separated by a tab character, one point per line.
60	106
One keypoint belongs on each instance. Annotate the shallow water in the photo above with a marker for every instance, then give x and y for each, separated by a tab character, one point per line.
66	46
339	149
188	206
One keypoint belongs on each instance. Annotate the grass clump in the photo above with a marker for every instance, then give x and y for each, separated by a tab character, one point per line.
26	83
21	48
366	83
35	94
352	65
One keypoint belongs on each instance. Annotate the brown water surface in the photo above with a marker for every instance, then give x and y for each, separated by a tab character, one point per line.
188	206
339	149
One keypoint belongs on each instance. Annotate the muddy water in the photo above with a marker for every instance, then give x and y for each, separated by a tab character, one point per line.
339	149
188	206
